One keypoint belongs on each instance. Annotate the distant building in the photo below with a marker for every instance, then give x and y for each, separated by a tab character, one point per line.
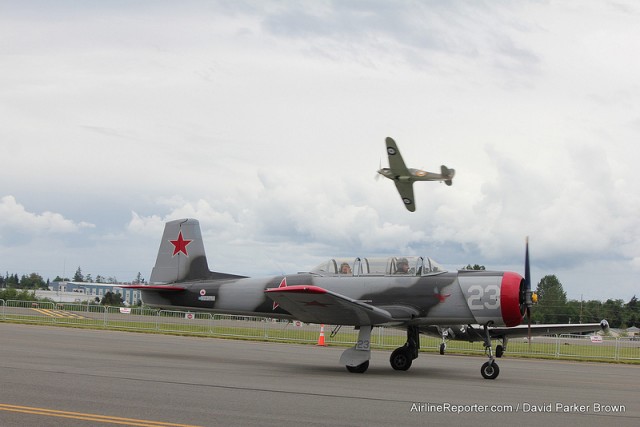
87	291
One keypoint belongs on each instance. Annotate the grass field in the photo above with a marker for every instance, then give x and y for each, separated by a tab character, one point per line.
253	328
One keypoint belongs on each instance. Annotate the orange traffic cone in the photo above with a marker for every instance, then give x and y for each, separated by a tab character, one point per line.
321	337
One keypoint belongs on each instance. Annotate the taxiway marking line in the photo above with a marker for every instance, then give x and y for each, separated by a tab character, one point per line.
88	417
57	313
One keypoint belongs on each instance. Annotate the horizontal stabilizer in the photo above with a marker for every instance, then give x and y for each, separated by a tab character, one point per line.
155	288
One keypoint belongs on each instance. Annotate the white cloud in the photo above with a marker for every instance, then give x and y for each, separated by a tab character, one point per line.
16	218
266	121
149	226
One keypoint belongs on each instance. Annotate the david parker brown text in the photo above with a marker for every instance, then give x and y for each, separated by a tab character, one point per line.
525	407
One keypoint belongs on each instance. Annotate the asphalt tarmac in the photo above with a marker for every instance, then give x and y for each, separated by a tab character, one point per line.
53	376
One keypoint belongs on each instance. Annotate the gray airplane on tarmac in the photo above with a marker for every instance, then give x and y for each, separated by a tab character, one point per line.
411	293
404	177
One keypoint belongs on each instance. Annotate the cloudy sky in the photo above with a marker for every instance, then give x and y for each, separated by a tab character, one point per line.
266	121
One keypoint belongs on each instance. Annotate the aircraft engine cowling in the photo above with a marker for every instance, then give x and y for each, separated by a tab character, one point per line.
512	299
496	299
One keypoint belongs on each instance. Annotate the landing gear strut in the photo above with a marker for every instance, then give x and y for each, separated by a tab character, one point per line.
490	369
443	345
501	348
402	357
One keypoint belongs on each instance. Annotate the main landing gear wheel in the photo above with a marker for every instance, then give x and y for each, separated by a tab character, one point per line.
499	350
443	347
361	368
401	359
490	370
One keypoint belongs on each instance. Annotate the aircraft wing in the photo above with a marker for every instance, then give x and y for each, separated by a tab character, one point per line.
567	328
312	304
396	164
406	193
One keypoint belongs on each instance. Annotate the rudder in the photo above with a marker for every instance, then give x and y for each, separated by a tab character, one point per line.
448	174
181	255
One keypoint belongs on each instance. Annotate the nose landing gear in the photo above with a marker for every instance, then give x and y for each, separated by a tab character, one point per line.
490	369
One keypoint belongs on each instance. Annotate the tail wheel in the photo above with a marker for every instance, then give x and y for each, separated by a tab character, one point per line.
400	359
490	370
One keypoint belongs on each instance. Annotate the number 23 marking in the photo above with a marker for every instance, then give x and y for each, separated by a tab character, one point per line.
362	345
477	293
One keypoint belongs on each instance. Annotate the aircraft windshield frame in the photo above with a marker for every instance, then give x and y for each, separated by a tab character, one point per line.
378	266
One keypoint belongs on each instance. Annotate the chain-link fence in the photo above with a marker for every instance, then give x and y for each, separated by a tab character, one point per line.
259	328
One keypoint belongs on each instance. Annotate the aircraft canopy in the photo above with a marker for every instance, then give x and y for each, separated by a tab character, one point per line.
403	265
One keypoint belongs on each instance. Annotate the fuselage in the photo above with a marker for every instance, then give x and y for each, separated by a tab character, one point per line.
442	298
412	176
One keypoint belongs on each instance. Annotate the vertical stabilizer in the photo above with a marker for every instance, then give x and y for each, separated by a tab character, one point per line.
181	256
448	174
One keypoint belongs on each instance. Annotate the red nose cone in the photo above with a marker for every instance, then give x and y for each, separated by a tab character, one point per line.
510	299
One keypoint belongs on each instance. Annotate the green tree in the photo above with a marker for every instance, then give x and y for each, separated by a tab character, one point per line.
112	298
572	311
552	302
613	312
78	277
17	294
592	311
12	280
32	281
474	267
632	312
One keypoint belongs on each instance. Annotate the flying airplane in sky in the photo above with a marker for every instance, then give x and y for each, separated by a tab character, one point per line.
412	293
404	177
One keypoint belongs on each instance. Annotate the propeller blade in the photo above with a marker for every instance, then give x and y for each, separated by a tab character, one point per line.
529	325
527	281
527	272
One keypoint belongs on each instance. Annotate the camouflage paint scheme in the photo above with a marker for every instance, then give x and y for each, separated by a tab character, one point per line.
404	177
435	297
361	292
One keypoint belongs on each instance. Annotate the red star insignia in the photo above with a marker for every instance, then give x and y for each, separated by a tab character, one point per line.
180	245
283	284
441	297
